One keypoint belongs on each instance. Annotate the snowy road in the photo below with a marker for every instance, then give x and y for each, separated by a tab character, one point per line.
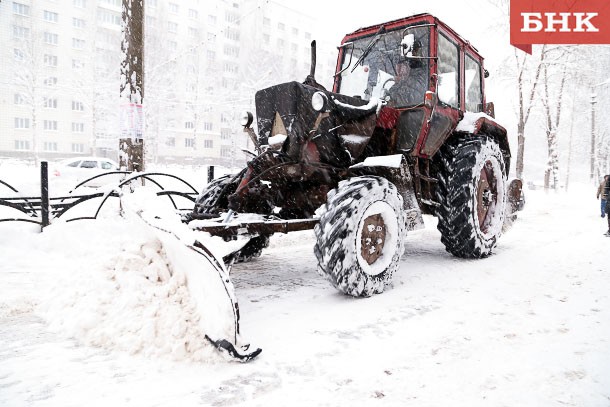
529	326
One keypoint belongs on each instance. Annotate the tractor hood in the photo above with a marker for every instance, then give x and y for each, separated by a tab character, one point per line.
287	109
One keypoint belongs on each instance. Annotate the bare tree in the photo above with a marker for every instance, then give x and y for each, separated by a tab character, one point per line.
552	106
526	98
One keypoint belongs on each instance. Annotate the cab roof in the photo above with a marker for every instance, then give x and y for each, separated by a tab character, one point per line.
424	18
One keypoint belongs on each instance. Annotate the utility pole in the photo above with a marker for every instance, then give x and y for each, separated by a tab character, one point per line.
131	143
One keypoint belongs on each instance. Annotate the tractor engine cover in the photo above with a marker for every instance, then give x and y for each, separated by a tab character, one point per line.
286	109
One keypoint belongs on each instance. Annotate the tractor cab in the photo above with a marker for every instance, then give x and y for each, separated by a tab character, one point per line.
427	74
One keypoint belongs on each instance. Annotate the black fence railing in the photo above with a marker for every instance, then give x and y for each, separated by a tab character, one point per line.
43	209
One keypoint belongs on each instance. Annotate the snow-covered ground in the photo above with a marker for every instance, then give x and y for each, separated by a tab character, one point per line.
529	326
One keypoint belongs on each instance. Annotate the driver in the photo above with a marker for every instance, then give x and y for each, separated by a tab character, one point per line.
411	80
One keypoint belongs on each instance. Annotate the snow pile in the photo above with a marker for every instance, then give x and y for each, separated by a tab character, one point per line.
133	301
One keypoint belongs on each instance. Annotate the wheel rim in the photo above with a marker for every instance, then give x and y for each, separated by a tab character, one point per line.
487	195
373	238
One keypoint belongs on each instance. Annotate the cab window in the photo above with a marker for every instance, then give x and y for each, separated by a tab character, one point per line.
472	79
448	71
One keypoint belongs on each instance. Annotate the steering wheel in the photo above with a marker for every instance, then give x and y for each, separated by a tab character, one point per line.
385	91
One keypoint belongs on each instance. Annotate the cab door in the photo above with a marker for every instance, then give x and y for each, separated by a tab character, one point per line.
447	112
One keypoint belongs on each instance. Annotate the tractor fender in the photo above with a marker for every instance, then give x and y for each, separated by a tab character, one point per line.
396	170
481	124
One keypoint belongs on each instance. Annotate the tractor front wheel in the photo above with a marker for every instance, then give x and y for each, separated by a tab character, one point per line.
360	237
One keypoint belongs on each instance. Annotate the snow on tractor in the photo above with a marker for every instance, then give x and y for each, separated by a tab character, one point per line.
405	131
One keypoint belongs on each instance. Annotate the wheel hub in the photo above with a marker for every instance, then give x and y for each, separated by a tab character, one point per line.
373	238
487	195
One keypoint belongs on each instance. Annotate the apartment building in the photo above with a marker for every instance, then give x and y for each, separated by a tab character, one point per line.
204	61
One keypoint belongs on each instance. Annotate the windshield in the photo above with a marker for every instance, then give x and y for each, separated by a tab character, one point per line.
386	71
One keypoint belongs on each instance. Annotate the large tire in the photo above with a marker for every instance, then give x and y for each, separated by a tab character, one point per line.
361	234
472	194
209	201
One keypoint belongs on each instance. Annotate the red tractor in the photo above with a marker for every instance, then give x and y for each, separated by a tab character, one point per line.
405	131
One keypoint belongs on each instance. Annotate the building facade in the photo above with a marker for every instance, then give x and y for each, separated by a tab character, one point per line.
204	61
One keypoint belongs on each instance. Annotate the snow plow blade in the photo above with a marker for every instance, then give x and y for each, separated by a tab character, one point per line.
209	285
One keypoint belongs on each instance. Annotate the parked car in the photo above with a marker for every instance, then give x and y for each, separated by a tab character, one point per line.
79	169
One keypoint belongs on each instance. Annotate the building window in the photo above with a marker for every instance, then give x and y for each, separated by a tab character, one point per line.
172	44
266	38
193	14
78	148
78	43
22	145
172	27
109	17
225	134
208	126
231	51
193	32
19	100
224	118
208	144
50	60
173	8
266	22
232	34
78	22
189	142
49	103
151	3
51	38
225	151
79	3
50	81
211	20
21	9
281	26
293	47
21	32
50	125
50	16
211	55
22	123
78	106
232	18
18	54
170	141
78	127
77	64
230	68
280	42
50	146
189	125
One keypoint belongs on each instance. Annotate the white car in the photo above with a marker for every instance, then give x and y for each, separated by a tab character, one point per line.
79	169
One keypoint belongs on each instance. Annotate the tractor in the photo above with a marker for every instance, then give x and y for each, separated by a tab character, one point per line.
405	131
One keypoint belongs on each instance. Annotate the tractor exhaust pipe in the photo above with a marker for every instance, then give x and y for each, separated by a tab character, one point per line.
312	69
311	78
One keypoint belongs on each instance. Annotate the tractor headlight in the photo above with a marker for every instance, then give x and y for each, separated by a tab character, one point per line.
246	119
319	101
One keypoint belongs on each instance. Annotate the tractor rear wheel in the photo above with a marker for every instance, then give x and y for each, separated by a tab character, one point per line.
360	237
472	194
